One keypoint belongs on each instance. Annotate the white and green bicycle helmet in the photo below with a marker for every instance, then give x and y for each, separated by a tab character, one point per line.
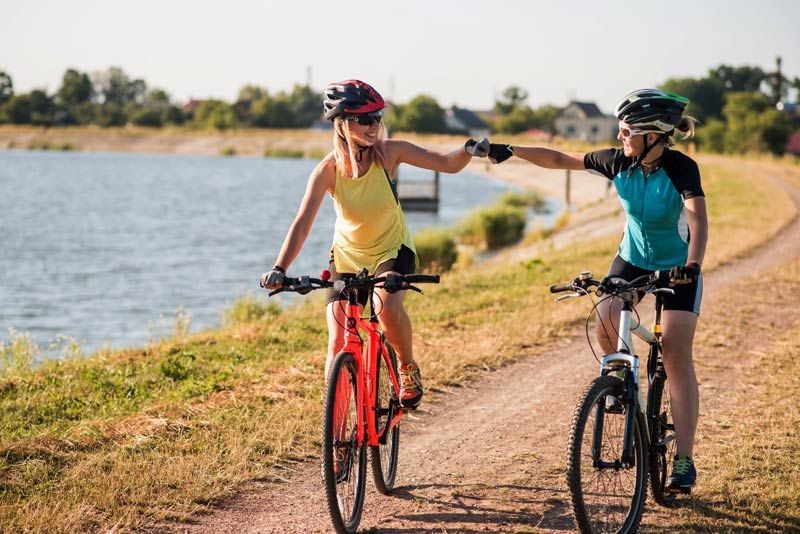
652	110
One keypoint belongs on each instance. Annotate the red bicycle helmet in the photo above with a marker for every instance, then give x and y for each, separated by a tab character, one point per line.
350	97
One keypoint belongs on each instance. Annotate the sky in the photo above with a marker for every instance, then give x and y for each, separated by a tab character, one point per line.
463	52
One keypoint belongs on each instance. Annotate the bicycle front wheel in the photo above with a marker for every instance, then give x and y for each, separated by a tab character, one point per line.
607	495
384	456
662	432
343	457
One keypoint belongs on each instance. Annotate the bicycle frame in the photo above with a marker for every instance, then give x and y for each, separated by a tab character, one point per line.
366	371
626	358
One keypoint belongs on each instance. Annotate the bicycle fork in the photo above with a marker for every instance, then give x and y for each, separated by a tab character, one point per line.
626	362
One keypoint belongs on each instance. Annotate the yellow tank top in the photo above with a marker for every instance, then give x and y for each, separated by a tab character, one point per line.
370	226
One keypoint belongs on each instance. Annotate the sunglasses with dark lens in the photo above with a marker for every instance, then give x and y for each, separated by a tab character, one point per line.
365	120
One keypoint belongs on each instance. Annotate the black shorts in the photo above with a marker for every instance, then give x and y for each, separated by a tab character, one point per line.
403	263
686	298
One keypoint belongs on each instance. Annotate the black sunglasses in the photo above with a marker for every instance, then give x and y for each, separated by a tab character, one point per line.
365	120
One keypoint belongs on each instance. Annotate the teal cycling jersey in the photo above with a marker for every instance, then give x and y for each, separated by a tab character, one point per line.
656	234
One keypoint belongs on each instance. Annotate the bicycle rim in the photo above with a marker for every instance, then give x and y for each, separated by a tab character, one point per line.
343	458
384	456
662	439
609	497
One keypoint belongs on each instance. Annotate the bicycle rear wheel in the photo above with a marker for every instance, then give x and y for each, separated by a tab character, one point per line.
384	456
343	457
607	496
662	437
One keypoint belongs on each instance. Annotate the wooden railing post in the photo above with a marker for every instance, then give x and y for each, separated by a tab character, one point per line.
567	195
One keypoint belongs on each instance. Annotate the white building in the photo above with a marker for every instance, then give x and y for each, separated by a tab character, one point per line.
585	121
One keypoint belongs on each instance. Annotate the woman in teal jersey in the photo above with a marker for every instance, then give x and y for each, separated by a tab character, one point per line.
666	228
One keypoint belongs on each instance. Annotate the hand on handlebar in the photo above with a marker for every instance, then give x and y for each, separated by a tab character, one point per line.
272	279
684	274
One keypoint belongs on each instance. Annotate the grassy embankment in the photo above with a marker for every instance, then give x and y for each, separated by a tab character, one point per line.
123	439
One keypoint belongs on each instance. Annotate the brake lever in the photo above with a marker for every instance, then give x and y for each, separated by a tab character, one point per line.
665	290
276	291
569	296
414	288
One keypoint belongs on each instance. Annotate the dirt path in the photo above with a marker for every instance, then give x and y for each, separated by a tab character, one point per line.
490	457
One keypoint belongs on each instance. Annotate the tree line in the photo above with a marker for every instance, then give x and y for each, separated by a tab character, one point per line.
736	107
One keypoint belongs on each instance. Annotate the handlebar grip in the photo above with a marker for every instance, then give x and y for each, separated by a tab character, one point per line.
560	288
421	278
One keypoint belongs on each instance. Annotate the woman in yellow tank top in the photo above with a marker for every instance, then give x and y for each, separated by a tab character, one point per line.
370	230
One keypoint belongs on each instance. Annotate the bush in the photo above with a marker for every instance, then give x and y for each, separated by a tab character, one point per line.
281	152
436	250
248	309
494	227
523	200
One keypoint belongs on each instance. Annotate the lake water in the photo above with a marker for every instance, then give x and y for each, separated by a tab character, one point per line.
105	248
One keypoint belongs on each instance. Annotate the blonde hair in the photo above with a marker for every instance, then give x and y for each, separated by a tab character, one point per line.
345	149
686	127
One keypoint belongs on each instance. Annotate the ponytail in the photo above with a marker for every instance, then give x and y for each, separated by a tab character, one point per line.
686	126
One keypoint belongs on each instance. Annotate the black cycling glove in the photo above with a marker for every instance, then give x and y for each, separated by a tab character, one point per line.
684	274
499	153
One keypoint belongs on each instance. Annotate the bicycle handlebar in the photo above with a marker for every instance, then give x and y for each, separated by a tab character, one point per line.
583	283
391	282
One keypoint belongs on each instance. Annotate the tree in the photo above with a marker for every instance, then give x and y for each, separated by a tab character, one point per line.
711	136
512	98
544	117
738	79
251	93
6	87
76	88
115	87
215	114
42	108
272	112
753	124
706	96
18	109
518	120
305	105
422	114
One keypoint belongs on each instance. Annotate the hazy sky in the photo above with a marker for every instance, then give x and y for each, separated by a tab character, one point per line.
461	52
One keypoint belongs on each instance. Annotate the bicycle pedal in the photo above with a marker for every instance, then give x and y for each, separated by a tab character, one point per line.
679	490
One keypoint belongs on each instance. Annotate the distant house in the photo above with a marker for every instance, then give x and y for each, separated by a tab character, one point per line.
585	121
463	120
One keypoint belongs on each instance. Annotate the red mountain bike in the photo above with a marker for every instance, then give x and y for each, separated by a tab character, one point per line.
362	400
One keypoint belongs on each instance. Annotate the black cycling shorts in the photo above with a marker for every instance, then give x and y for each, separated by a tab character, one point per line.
687	297
403	263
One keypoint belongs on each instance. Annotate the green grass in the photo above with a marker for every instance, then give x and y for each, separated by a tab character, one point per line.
79	437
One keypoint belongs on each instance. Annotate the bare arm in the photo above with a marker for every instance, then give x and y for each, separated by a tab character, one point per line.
698	229
549	158
404	152
322	180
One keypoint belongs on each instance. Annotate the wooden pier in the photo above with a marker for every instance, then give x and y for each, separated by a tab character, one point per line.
419	195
